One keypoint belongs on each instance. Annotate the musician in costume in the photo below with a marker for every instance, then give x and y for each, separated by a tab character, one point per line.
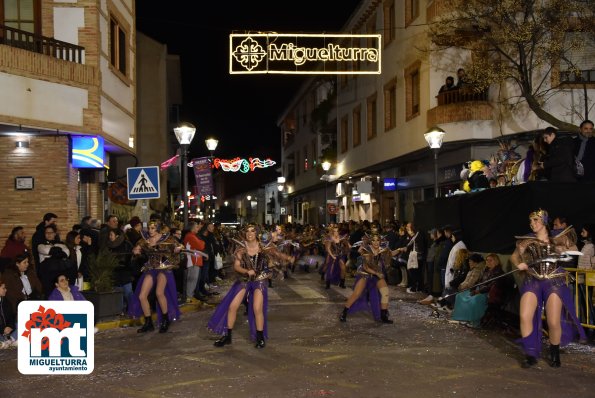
539	256
370	291
253	265
337	248
161	253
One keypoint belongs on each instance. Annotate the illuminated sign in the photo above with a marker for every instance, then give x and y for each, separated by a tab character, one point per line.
390	184
304	54
87	152
242	165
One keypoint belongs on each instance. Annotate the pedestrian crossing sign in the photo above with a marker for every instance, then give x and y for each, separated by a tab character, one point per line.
143	182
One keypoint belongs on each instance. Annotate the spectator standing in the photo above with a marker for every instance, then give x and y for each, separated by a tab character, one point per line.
15	244
585	151
39	234
461	79
196	278
133	234
119	246
448	85
558	163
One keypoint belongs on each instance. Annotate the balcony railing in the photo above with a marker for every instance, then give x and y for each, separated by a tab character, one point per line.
460	95
584	76
40	44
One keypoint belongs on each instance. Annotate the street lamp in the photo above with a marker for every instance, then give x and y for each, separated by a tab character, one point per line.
434	138
211	144
184	134
326	166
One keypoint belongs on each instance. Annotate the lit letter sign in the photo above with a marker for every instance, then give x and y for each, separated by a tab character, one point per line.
87	152
304	54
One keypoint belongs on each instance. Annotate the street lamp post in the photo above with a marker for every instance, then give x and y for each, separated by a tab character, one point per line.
184	134
434	138
211	144
326	166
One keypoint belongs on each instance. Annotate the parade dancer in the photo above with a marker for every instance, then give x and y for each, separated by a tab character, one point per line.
371	291
539	255
162	255
252	263
337	248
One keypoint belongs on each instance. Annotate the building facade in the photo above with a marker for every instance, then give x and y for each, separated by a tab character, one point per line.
383	164
67	69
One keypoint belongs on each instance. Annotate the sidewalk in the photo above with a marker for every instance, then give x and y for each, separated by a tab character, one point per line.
125	322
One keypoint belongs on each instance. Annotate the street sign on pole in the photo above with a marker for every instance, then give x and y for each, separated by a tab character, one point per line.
143	182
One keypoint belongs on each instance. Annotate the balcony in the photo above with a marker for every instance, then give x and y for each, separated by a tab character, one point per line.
41	44
577	77
460	106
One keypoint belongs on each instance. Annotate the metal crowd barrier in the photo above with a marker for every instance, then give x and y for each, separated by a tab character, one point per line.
582	282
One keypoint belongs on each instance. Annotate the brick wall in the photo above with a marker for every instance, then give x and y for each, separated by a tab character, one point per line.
55	185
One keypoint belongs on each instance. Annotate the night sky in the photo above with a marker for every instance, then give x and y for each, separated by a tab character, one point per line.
239	110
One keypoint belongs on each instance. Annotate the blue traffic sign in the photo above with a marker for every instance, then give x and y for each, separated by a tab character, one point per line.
143	182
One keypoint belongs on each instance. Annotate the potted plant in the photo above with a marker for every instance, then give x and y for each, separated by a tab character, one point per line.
106	300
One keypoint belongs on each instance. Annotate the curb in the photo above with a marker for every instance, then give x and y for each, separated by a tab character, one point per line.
192	306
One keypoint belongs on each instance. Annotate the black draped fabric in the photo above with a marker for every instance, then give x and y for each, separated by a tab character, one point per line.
491	218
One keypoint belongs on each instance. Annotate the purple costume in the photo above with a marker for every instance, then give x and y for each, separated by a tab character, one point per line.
548	279
369	300
158	262
333	268
260	264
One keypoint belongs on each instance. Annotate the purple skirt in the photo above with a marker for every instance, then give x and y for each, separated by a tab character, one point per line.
369	299
571	327
333	270
173	311
218	321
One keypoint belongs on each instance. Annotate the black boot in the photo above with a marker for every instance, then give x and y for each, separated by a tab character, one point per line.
148	326
328	284
259	339
343	317
225	339
528	362
384	317
555	356
164	324
342	284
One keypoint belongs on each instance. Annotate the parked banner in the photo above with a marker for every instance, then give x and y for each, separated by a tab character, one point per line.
202	173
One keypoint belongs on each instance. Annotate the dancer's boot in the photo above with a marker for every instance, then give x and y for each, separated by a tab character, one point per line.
343	317
555	356
225	339
259	339
384	317
148	326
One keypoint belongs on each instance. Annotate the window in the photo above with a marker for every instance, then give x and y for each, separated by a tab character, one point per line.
371	117
298	165
344	132
357	126
118	46
389	22
21	14
578	67
412	90
390	105
314	160
411	11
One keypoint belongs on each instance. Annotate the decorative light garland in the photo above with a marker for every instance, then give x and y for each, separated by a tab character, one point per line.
242	165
